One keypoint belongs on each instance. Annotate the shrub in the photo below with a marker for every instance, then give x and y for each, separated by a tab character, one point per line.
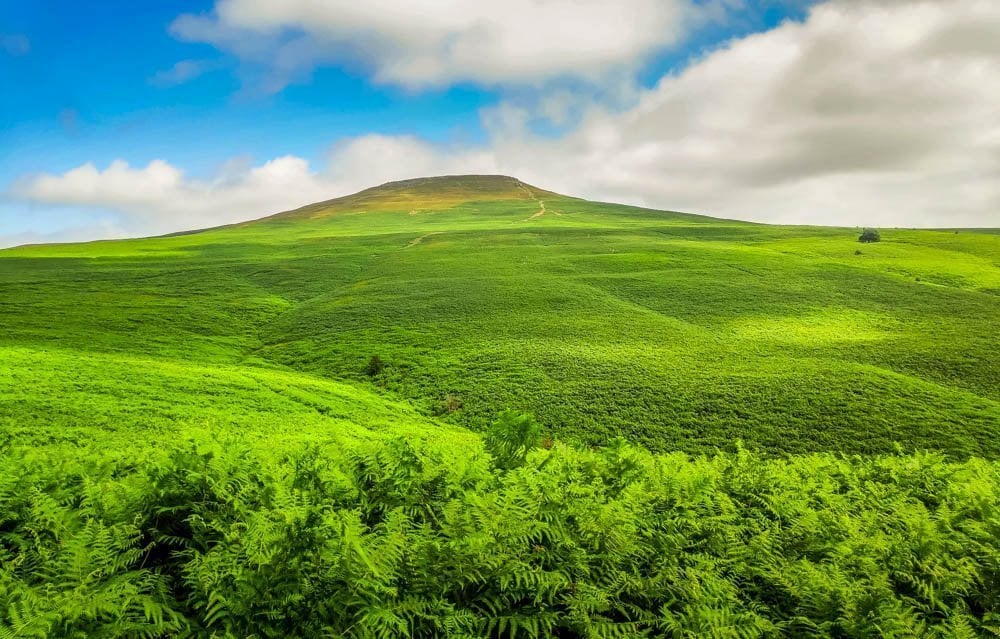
449	404
375	366
870	235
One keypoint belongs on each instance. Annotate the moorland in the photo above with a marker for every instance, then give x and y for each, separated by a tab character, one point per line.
468	406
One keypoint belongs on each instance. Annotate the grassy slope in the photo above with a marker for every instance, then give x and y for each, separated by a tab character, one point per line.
55	397
676	331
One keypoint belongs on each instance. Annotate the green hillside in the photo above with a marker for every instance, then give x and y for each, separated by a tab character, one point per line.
482	294
739	431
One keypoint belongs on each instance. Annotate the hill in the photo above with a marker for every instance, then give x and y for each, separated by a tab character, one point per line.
194	440
483	293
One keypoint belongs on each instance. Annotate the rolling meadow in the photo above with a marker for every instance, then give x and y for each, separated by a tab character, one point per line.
470	407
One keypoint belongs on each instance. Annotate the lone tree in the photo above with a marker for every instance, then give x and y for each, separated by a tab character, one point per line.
870	235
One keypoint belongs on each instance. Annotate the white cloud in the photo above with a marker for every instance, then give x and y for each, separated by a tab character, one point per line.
869	112
875	113
438	42
182	71
159	198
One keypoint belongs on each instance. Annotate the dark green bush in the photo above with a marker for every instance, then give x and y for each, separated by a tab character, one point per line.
396	539
375	366
870	235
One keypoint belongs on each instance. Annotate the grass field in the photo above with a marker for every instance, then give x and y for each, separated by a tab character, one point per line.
193	442
482	294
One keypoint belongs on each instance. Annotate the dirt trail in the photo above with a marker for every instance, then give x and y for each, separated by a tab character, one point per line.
542	211
519	184
420	239
541	203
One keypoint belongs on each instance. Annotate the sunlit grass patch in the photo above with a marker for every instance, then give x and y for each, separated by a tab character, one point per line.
818	328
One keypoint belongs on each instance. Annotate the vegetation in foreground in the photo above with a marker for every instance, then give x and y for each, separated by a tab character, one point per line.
394	538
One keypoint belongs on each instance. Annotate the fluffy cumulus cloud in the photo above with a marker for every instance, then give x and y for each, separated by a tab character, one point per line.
160	198
437	42
879	112
867	112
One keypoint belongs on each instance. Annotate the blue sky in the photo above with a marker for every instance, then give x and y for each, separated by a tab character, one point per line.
212	91
87	91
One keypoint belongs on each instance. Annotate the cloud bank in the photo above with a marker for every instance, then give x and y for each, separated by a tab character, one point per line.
869	112
159	198
424	43
879	112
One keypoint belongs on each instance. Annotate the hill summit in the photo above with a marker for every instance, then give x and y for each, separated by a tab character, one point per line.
425	193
